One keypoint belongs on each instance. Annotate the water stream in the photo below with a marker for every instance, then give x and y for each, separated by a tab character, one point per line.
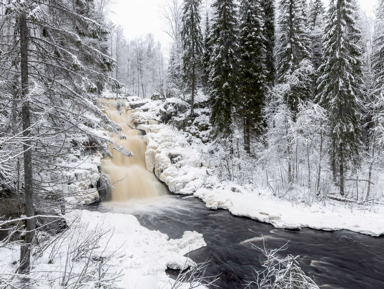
338	260
129	176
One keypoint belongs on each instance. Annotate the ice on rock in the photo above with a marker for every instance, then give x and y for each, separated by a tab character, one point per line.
189	175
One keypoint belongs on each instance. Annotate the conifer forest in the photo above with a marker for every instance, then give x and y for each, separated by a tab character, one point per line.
270	109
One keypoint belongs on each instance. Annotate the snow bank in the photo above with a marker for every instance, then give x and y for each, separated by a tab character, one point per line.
285	214
179	161
126	253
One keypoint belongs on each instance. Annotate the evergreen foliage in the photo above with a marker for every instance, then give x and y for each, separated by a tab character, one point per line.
57	59
192	39
223	79
175	70
206	55
378	53
316	25
268	7
252	78
97	38
376	105
292	52
340	86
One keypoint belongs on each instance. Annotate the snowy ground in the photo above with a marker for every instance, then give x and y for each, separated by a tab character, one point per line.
104	248
113	249
108	250
180	162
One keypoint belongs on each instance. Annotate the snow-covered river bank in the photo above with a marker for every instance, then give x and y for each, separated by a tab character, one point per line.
180	161
340	259
330	258
134	254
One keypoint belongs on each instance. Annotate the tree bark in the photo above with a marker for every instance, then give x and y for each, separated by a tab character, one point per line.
193	88
320	161
247	137
341	158
25	252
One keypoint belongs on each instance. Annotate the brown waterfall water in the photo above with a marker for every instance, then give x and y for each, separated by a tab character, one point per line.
129	176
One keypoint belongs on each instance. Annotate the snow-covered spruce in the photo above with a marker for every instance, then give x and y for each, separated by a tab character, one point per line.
182	163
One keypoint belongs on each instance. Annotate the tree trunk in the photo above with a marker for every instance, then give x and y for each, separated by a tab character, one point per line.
309	166
370	169
193	90
341	166
333	161
25	252
247	138
320	160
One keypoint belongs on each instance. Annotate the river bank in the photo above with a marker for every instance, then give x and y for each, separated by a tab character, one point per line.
180	161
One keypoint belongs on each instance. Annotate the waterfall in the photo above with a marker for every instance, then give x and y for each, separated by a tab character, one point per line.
129	176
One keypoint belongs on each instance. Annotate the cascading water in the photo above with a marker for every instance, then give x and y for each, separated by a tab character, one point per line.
128	175
340	259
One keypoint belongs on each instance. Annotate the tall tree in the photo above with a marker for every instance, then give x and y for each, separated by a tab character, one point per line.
316	26
293	52
57	62
207	52
376	108
27	146
340	85
378	52
252	78
223	90
268	6
192	39
173	11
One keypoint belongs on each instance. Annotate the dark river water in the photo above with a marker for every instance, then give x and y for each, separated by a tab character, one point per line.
341	259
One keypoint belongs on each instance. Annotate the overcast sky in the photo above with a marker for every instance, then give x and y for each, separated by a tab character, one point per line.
140	17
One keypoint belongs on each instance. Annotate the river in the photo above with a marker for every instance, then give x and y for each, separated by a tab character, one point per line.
341	259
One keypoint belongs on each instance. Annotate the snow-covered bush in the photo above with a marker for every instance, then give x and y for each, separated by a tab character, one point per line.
194	278
280	272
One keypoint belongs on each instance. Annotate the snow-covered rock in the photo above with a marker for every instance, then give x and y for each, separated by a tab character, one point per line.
172	160
180	162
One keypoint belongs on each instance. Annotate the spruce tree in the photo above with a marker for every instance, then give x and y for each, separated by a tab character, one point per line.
56	62
340	86
376	108
316	26
174	71
97	38
293	53
378	53
206	55
251	73
268	7
222	81
192	39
